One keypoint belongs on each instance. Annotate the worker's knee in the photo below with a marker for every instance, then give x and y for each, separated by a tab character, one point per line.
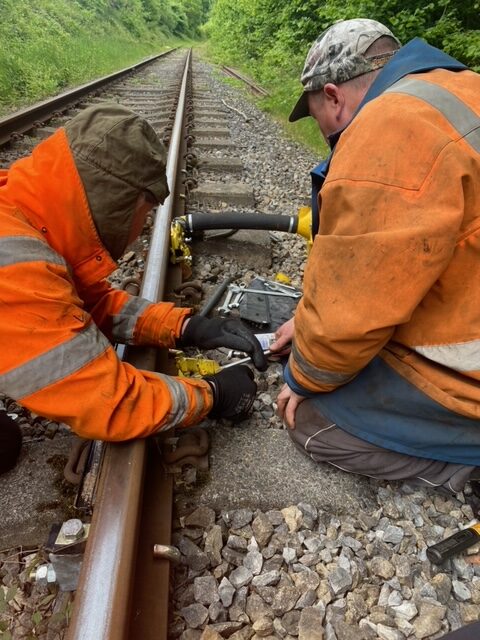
10	442
309	423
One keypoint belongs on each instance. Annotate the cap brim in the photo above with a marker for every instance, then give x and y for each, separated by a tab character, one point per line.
300	110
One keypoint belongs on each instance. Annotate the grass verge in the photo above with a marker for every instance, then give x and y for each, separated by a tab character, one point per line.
47	68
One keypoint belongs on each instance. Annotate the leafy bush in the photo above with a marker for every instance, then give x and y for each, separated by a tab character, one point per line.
270	39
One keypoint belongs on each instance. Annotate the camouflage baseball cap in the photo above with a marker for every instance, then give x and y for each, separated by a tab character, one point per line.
338	55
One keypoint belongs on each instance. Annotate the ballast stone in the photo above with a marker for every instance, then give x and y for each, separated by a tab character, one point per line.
240	577
205	590
310	624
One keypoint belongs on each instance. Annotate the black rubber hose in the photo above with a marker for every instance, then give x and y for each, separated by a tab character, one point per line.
207	221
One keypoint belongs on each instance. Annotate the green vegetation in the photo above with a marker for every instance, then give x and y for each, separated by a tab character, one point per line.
50	45
269	40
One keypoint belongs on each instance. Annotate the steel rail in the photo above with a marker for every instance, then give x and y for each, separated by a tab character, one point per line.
102	606
25	119
255	88
160	240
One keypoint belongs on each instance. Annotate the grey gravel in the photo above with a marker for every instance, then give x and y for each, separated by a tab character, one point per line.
240	577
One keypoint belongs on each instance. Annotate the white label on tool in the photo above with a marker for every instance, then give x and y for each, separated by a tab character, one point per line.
265	339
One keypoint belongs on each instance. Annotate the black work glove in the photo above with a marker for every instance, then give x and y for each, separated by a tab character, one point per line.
234	391
210	333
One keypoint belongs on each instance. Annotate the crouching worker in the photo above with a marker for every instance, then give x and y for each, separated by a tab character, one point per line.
383	377
67	212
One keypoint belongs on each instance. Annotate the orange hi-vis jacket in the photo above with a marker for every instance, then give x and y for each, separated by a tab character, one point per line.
59	316
395	268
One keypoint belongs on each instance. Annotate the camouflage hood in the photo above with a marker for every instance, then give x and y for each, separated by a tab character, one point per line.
118	156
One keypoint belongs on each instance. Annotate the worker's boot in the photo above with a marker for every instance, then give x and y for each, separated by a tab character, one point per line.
10	442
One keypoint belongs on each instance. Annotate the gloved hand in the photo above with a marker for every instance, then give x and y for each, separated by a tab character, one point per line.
234	391
210	333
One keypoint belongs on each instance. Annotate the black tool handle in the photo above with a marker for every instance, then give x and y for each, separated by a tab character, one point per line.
449	547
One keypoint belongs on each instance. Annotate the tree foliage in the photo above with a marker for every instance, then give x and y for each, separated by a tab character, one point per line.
270	39
274	37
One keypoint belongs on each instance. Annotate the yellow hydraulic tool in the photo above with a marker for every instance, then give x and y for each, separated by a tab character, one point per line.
304	225
179	249
301	223
195	367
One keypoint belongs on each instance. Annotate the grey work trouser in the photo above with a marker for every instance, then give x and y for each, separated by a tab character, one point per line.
323	441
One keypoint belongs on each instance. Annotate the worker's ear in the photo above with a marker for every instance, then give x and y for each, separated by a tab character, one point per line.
334	96
337	104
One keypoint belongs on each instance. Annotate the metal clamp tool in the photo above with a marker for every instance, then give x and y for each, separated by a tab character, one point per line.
263	292
243	360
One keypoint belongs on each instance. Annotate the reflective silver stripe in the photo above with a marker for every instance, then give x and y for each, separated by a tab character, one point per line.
465	121
18	249
463	356
135	306
199	401
319	375
123	324
179	396
54	365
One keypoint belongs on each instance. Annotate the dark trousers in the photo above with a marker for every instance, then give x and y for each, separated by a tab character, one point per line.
324	441
470	632
10	442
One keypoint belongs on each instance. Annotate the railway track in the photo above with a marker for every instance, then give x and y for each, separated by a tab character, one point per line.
120	570
119	575
103	604
270	545
254	88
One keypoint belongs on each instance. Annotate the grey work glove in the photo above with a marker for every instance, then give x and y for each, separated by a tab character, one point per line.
234	391
210	333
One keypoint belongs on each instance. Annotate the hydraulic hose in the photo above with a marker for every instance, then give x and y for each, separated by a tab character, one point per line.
208	221
300	223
